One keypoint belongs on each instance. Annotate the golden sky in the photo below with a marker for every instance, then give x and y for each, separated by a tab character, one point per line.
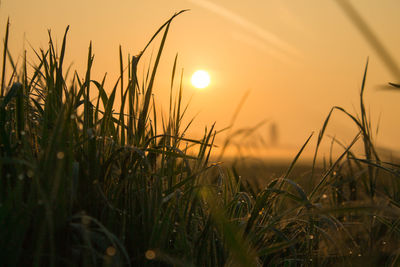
297	58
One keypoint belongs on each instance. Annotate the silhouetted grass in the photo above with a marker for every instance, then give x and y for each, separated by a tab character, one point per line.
90	183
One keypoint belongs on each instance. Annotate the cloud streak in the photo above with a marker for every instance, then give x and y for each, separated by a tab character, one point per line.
261	45
273	41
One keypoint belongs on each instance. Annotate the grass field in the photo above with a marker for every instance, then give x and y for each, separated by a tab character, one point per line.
87	182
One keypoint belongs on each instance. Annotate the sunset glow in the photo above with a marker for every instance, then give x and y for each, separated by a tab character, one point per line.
284	52
200	79
199	133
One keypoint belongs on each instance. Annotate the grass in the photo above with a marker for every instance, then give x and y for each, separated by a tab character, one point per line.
85	182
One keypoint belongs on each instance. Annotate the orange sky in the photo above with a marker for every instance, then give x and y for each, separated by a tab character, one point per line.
297	58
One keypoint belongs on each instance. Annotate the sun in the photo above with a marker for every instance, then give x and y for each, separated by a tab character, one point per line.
200	79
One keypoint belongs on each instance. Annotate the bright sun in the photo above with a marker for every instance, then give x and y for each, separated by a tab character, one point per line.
200	79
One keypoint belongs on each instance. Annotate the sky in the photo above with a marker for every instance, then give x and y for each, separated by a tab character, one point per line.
296	59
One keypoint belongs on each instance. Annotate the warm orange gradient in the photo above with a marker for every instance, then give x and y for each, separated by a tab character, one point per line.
297	58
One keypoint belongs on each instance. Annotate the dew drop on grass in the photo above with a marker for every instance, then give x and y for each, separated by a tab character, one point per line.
85	220
311	237
150	254
383	242
22	133
359	255
30	173
60	155
111	251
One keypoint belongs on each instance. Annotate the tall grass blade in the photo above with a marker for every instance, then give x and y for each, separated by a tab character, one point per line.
3	71
370	36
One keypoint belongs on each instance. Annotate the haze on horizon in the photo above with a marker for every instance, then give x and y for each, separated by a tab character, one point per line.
297	59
